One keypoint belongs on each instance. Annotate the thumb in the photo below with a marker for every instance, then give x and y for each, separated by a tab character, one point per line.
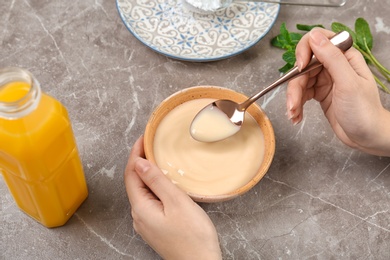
157	182
332	58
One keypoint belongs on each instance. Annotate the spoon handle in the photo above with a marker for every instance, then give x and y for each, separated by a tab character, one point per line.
342	40
331	3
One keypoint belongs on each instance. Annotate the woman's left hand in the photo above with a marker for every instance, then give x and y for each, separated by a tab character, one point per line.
164	215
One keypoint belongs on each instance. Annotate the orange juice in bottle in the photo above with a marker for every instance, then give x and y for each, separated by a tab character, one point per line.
39	160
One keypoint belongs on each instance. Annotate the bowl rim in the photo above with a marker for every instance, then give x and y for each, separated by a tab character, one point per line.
203	91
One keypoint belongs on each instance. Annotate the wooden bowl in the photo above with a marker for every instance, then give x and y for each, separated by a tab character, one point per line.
216	93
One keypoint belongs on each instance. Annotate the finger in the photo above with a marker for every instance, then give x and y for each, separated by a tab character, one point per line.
295	91
158	183
356	59
298	119
330	56
136	152
136	189
298	94
303	52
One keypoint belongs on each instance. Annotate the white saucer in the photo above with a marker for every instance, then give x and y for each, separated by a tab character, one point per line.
169	28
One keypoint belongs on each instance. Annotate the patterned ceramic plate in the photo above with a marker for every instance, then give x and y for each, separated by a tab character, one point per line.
168	27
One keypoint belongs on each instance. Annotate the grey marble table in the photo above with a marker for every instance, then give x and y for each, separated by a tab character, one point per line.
319	200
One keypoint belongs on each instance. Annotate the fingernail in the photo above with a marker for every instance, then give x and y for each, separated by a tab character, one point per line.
290	112
289	104
318	38
142	165
299	62
290	115
295	121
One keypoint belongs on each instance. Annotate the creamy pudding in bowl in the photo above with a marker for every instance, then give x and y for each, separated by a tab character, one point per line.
208	172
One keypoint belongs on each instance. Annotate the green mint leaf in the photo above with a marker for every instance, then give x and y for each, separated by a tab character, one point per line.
282	40
285	33
289	57
288	41
286	68
363	34
362	38
295	38
279	42
307	28
338	27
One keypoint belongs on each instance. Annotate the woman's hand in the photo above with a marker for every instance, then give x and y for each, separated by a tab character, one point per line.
165	216
346	90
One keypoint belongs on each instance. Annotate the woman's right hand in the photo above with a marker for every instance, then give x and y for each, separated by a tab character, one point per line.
346	91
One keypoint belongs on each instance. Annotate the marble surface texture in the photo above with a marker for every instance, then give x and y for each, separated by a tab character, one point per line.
319	200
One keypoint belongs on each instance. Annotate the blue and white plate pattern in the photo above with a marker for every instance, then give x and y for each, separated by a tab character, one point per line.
168	27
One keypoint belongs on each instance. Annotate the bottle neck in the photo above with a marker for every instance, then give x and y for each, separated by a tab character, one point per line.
20	93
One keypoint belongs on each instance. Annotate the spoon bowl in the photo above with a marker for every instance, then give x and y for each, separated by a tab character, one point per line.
232	113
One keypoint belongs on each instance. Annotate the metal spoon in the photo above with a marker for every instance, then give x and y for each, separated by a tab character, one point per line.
225	3
235	112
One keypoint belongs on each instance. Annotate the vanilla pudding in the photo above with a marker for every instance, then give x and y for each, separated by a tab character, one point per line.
207	168
211	124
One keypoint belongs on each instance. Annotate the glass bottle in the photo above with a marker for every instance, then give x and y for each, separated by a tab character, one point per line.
39	159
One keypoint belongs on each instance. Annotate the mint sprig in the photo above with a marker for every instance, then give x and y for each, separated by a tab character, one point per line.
362	38
288	41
